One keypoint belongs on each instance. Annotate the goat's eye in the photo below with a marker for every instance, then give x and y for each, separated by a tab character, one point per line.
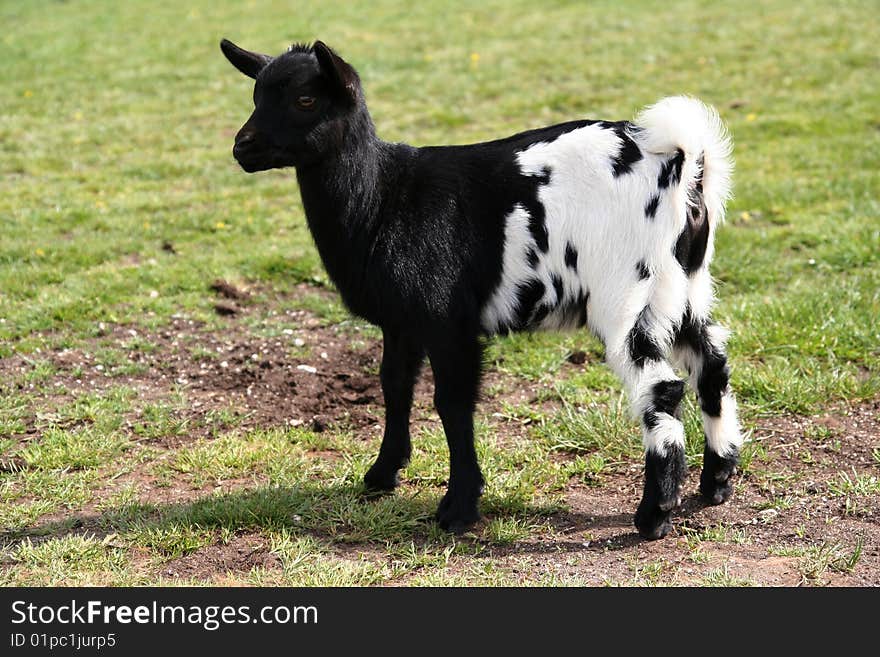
305	102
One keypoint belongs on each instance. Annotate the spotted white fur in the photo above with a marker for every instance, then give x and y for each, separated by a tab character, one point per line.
603	217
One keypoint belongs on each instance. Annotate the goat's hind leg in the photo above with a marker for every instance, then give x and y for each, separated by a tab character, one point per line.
659	399
401	362
700	345
656	394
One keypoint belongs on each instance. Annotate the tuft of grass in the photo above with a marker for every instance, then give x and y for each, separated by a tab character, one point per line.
817	560
855	485
75	449
723	577
169	540
71	560
103	411
606	429
720	533
233	455
507	531
13	411
649	573
159	420
587	469
308	563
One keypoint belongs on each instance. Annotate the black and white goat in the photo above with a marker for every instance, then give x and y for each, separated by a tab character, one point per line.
600	224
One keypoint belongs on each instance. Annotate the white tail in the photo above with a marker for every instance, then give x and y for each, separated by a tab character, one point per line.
680	122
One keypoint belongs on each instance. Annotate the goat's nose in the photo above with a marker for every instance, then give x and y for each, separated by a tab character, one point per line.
243	144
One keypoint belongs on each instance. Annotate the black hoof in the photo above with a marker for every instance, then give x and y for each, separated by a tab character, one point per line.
381	479
652	523
716	480
652	519
458	511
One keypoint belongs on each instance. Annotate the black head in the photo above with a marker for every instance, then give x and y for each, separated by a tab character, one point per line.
302	102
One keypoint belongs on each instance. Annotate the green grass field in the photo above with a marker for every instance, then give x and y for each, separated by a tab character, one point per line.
120	204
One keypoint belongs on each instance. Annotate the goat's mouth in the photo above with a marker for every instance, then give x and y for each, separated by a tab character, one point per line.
252	161
253	165
253	158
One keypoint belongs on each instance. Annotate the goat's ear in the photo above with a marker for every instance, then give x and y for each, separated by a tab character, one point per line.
249	63
338	70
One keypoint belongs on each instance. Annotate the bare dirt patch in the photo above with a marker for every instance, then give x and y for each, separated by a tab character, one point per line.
311	375
240	555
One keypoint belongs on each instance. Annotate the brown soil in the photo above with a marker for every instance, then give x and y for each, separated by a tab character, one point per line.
302	372
239	556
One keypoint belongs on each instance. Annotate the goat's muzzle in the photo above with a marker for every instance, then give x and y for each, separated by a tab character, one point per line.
248	153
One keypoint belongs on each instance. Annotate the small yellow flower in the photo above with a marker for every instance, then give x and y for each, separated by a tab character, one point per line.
39	252
745	216
220	225
78	116
751	117
147	225
249	220
100	204
475	59
28	93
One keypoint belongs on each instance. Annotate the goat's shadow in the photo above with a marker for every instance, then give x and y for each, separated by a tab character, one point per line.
579	523
338	512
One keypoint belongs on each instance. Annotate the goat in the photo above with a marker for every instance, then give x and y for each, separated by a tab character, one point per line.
601	224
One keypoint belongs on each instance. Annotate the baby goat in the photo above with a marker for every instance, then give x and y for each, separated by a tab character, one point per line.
600	224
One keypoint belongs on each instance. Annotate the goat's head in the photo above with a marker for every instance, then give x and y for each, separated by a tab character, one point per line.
302	101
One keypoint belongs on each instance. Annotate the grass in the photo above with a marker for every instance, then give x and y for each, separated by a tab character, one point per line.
120	203
815	561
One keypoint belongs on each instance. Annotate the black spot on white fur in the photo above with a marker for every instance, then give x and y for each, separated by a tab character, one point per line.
574	312
666	398
690	249
544	176
651	206
556	279
527	298
532	258
643	271
571	257
629	152
714	375
641	344
670	173
541	313
535	209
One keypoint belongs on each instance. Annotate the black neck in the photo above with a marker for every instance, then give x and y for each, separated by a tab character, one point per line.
342	196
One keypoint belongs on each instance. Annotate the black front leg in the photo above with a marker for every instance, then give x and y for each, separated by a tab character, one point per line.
457	378
401	361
